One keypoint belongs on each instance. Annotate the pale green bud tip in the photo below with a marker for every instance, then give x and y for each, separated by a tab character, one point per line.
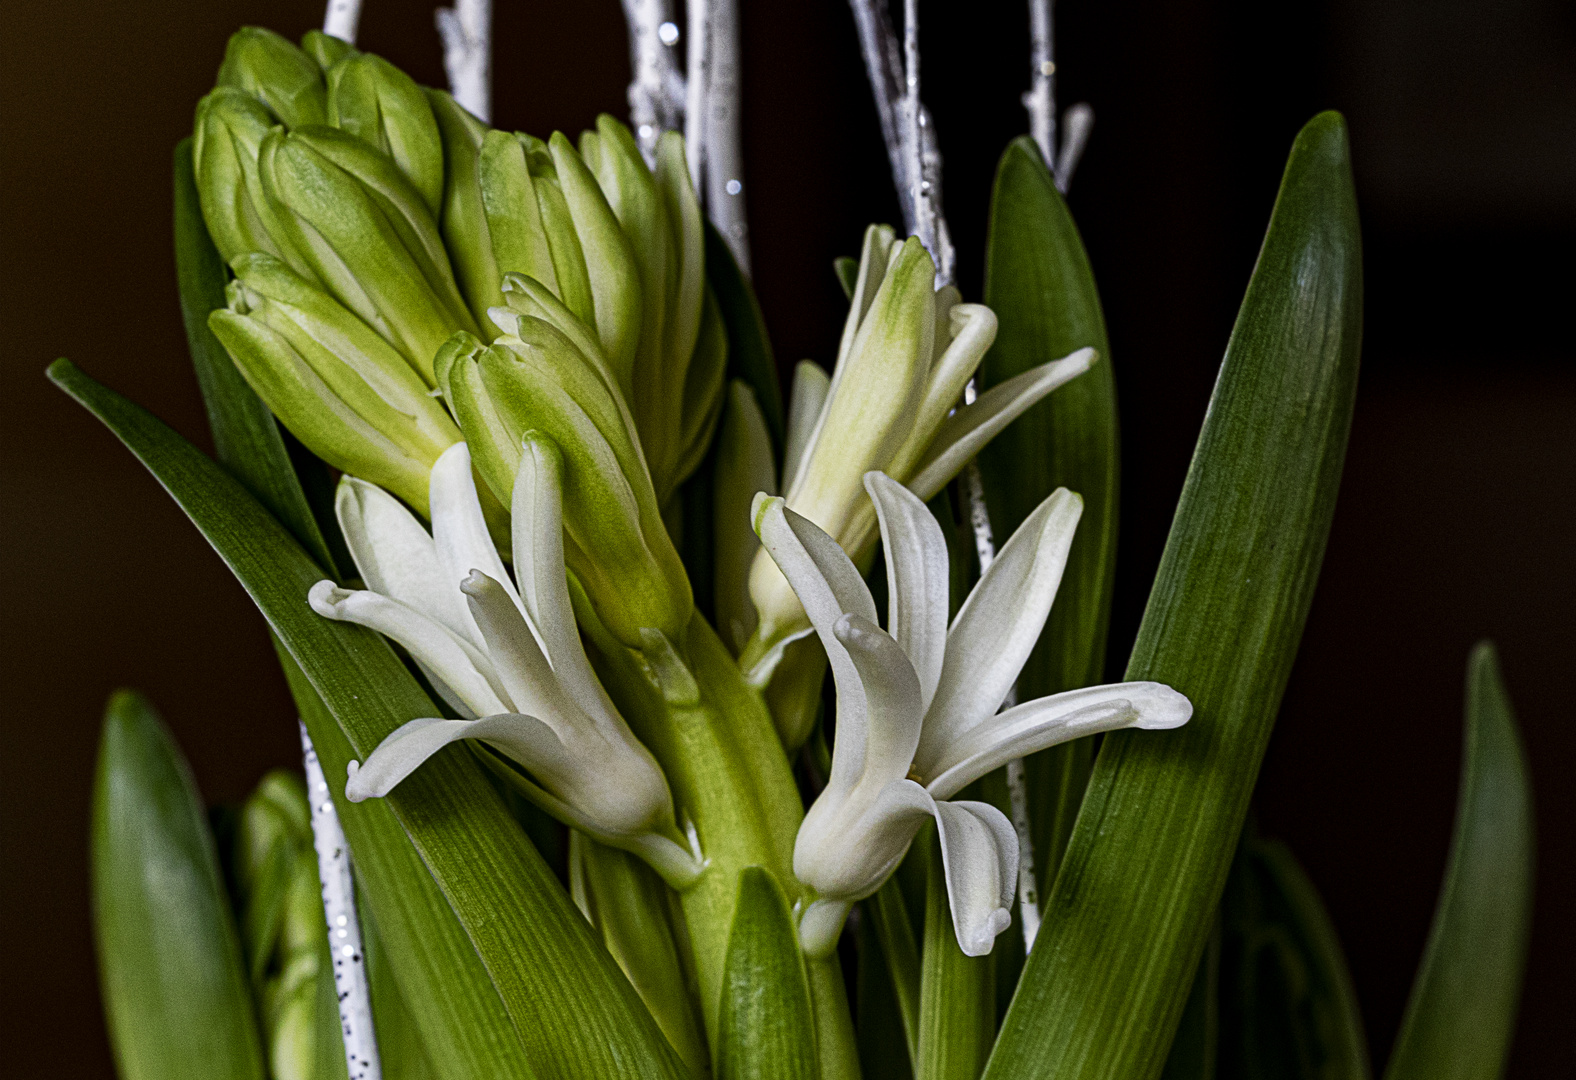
325	49
278	74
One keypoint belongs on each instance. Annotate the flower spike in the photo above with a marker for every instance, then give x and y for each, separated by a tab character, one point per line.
917	704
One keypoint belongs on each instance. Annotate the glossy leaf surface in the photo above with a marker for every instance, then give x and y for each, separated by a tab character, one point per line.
1129	915
767	1029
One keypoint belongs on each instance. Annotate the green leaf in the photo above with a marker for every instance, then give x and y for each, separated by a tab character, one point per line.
574	1011
880	1026
1194	1050
846	267
767	1029
400	1046
1462	1013
957	1003
1039	283
890	923
749	348
1287	1002
246	437
174	982
1131	909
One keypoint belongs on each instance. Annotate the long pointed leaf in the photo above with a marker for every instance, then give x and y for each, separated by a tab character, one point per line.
573	1009
749	349
767	1029
174	982
1039	283
1462	1012
1131	909
957	997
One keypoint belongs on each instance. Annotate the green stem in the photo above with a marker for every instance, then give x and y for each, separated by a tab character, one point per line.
731	781
957	996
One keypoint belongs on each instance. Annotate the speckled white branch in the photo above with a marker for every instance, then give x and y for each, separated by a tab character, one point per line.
697	87
657	91
724	151
466	30
341	19
1040	101
344	932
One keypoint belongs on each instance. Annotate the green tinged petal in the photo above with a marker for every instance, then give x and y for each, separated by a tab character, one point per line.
229	130
275	72
368	236
514	216
325	49
464	220
338	386
370	98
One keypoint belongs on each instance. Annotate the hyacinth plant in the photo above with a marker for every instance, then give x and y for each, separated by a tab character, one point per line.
557	584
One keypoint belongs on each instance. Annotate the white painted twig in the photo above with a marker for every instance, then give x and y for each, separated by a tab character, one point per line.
1076	124
656	92
341	19
697	86
724	151
884	64
466	30
344	932
1041	97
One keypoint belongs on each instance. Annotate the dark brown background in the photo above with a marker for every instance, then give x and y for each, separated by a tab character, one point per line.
1455	521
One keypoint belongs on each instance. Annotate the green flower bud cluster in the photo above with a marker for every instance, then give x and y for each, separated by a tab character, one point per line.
280	909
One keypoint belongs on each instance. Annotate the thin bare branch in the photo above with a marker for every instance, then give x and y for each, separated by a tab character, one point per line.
724	190
466	30
697	87
342	19
657	91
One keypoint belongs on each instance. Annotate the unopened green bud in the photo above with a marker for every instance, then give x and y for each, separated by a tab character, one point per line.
463	219
537	379
368	236
659	214
228	134
339	387
326	49
278	74
378	103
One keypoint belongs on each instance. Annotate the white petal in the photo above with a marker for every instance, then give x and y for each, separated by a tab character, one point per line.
892	696
999	624
524	738
516	657
821	926
847	847
394	553
971	330
1047	721
459	531
808	397
918	578
979	850
971	427
461	666
828	586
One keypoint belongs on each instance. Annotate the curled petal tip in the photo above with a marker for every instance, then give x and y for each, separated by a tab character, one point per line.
355	789
982	937
326	598
1162	708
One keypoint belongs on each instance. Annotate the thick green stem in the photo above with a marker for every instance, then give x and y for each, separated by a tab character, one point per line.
731	781
957	996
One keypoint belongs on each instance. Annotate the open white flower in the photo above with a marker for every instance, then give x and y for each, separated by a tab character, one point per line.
510	657
906	354
917	704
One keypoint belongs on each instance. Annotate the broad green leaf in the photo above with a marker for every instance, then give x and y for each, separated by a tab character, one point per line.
399	1035
1194	1050
174	982
1039	283
957	999
246	438
1462	1013
574	1011
421	947
1131	909
1288	1008
767	1029
749	349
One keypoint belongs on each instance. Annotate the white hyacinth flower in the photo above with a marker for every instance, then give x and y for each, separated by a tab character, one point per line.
906	354
917	703
507	659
